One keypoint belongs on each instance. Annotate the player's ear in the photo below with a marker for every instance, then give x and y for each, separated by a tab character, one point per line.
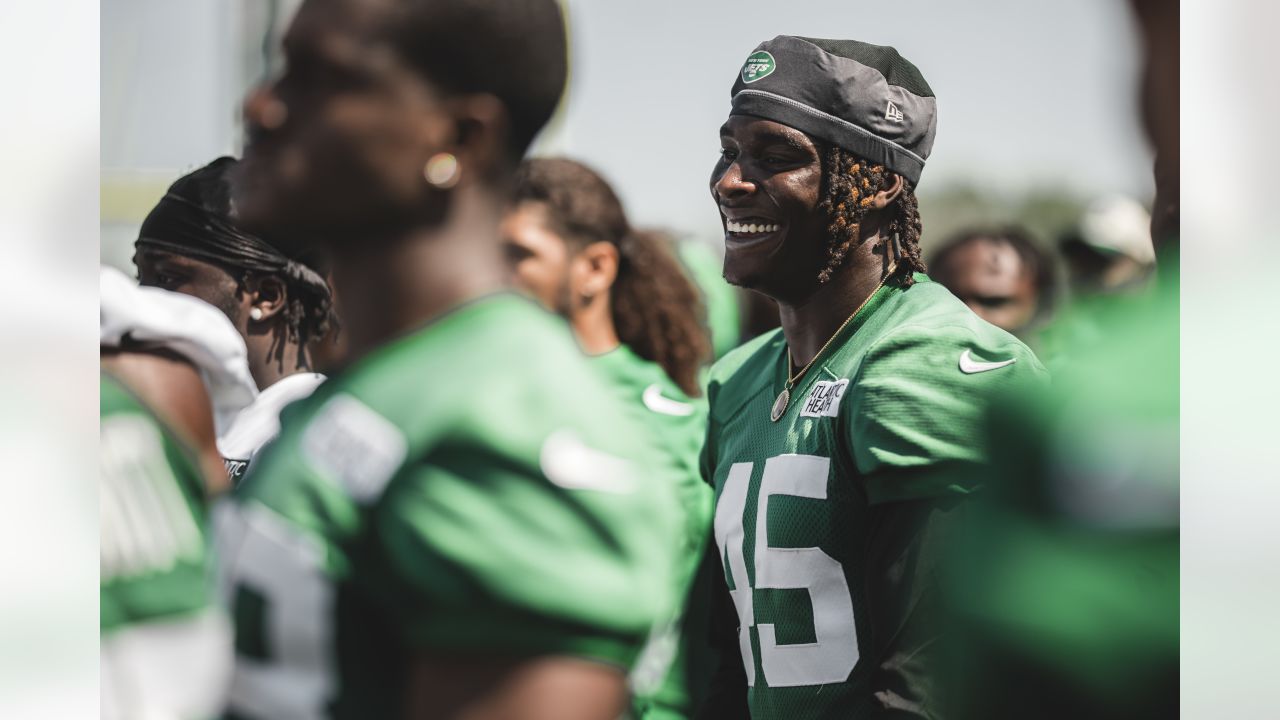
268	296
473	129
890	193
599	262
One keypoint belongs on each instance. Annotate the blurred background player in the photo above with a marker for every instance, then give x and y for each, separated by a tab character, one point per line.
570	246
1001	274
1108	255
639	317
721	300
839	444
275	296
463	523
165	648
1110	250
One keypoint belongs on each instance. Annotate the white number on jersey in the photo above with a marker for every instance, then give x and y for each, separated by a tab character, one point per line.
147	526
832	656
262	553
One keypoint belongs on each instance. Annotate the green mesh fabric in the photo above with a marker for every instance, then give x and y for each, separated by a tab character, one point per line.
904	433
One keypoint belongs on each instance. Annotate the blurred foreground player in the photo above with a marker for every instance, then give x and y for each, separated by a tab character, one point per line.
274	295
1065	593
838	444
165	648
637	315
453	526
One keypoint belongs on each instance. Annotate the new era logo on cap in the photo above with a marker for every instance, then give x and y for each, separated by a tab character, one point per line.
893	112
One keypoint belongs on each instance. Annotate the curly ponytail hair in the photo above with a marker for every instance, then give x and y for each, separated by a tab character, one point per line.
849	185
657	310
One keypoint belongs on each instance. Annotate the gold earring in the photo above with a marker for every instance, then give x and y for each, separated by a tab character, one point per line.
442	171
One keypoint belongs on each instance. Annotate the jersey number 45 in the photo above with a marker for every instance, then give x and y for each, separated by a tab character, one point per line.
832	656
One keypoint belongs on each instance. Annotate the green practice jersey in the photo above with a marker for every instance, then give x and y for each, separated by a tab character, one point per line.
823	570
472	488
154	555
674	664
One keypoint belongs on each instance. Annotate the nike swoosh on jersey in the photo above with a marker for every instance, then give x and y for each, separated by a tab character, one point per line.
573	465
969	366
659	403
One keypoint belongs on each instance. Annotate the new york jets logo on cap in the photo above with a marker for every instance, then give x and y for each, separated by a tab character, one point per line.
758	65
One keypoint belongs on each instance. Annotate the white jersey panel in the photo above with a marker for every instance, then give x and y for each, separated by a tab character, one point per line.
259	423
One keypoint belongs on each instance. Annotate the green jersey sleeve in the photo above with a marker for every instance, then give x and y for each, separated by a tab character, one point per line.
552	571
916	409
154	549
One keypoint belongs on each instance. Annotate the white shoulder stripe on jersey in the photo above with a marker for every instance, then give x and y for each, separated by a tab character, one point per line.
354	445
659	403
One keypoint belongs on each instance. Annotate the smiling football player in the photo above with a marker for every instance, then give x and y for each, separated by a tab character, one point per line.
839	444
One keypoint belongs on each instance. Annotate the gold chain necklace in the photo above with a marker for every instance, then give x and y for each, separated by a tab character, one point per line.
784	397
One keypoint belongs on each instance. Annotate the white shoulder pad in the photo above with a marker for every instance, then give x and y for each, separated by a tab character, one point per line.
198	331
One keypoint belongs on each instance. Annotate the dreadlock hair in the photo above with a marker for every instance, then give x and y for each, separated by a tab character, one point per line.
657	310
849	185
197	218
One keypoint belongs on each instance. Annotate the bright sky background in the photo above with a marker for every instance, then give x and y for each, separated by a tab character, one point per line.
1029	93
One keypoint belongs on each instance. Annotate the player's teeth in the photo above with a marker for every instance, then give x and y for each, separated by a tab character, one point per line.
750	228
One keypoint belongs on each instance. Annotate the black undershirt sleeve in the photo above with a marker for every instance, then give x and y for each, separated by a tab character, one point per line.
727	693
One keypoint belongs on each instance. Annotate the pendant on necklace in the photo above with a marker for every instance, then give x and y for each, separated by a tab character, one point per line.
780	405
